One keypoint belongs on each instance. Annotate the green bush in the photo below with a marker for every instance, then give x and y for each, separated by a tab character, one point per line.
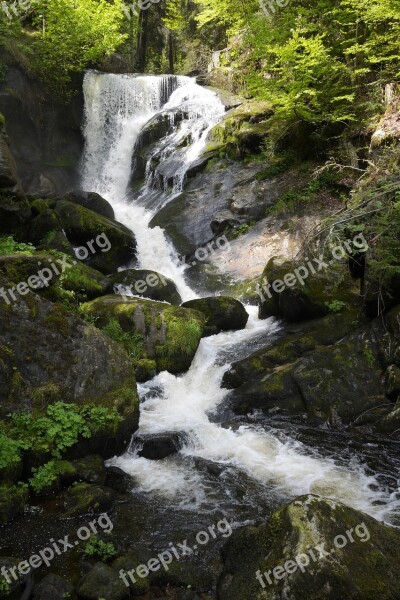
9	246
132	342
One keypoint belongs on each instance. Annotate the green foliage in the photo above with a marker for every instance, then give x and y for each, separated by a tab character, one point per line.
132	342
99	550
5	588
242	229
336	306
9	246
47	474
60	427
72	34
9	452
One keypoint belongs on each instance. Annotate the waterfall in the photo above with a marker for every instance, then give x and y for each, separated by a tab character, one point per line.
117	107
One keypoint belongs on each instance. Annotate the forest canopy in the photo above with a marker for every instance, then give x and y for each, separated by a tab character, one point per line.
319	62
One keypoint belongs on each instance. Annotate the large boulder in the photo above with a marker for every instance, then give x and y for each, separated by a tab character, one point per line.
82	226
168	335
149	284
312	548
294	292
327	371
48	354
91	201
222	313
15	213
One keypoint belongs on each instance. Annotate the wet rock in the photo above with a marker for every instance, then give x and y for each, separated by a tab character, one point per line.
52	587
295	341
222	312
118	480
90	469
91	201
102	582
167	334
85	498
359	555
159	446
299	376
148	284
82	225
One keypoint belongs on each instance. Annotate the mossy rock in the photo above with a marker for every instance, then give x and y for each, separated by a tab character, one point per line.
82	226
145	369
102	582
57	240
19	268
8	170
86	498
46	221
299	339
15	213
39	205
49	354
13	499
170	334
53	587
336	384
85	282
283	292
363	569
242	130
91	201
148	284
221	312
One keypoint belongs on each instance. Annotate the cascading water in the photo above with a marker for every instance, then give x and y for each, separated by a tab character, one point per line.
117	108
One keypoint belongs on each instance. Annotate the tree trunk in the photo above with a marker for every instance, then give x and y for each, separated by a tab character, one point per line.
171	53
141	44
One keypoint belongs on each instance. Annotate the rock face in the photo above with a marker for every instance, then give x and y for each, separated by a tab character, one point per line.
149	284
312	548
167	335
308	372
388	131
8	170
222	313
45	137
47	354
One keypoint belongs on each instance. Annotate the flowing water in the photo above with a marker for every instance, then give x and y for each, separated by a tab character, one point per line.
276	457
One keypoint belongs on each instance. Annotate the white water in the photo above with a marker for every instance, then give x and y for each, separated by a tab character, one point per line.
117	108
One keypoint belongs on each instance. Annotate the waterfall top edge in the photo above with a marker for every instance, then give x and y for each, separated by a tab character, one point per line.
139	75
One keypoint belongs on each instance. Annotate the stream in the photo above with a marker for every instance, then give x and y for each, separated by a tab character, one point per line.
241	468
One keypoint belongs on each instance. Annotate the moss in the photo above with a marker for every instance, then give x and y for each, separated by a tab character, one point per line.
57	320
13	499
